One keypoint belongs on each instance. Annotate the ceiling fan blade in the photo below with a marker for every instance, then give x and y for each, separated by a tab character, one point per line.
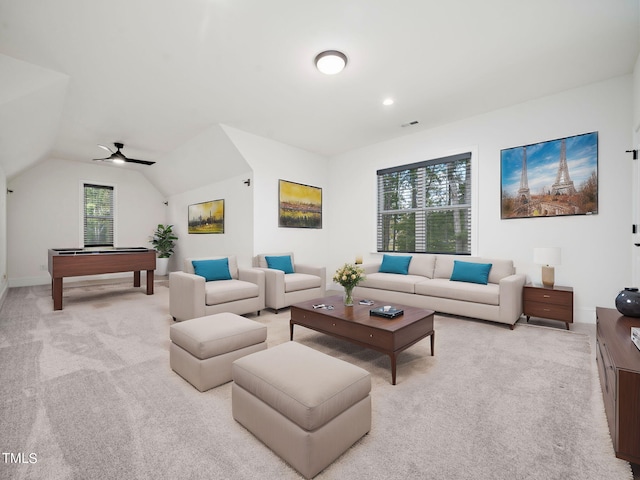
101	159
142	162
118	157
106	148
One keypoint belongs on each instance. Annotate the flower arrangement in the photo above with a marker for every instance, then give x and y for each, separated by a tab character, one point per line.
349	276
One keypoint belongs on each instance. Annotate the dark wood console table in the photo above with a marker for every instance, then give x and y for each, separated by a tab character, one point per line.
619	368
74	262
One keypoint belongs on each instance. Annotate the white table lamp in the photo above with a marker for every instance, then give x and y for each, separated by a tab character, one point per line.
547	257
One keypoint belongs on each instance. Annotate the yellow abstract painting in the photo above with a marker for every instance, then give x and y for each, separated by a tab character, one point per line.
300	205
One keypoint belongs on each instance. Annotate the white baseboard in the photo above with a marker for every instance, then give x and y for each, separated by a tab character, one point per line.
3	293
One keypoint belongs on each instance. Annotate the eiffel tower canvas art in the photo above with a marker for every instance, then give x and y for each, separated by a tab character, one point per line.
551	178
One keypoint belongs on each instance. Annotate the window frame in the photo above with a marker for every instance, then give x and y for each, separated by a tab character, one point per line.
420	242
83	185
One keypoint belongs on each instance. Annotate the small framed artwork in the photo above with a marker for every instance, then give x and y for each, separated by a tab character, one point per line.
550	179
206	217
300	206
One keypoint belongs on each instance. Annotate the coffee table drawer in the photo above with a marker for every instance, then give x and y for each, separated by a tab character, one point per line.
366	335
350	330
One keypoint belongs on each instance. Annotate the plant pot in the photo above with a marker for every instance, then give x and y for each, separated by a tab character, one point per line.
162	265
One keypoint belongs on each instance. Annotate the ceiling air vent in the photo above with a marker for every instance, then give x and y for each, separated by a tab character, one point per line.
410	124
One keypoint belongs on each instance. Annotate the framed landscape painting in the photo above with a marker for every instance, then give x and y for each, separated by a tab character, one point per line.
300	206
552	178
206	217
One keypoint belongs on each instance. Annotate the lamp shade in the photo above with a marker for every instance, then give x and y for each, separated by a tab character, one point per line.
546	256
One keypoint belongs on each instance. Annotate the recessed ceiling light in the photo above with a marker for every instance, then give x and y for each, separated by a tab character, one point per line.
331	62
388	101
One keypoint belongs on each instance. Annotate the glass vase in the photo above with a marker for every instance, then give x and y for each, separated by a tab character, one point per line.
348	296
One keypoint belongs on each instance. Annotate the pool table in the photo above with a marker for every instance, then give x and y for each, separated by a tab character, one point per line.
73	262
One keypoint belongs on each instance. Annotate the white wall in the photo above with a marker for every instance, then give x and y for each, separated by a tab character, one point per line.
596	249
272	161
636	173
44	211
204	159
4	283
237	238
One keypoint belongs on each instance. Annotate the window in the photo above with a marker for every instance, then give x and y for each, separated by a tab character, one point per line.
98	215
426	206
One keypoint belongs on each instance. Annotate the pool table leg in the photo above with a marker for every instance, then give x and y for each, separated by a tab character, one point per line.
56	293
149	282
136	278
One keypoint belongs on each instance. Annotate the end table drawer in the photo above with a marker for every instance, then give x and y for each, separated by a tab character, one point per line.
563	313
555	297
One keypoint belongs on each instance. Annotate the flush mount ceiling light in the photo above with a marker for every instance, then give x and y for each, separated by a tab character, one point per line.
331	62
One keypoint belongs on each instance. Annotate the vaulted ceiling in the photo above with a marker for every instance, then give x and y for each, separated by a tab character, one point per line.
154	74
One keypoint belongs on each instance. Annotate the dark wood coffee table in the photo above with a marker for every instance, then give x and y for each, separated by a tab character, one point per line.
354	324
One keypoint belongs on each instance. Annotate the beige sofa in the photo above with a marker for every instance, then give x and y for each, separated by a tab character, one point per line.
428	285
284	289
191	296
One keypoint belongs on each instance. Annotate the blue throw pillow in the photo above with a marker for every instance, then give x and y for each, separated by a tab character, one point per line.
282	262
470	272
212	269
395	264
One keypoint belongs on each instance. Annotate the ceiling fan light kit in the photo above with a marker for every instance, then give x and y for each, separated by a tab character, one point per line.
119	157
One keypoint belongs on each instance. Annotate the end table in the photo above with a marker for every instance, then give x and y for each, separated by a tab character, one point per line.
555	303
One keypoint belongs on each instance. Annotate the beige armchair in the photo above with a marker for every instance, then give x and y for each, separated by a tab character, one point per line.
237	290
304	282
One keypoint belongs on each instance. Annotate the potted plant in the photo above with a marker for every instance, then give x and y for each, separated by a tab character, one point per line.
163	241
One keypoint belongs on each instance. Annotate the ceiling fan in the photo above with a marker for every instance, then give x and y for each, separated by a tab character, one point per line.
118	157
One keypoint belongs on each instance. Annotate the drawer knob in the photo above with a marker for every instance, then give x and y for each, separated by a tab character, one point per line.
370	335
547	296
546	309
333	324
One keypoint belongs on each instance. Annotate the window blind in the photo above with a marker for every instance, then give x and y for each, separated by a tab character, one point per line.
98	216
425	207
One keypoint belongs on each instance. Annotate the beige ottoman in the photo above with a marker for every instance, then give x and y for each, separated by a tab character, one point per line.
306	406
203	349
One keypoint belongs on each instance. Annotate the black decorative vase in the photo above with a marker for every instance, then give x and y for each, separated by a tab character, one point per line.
628	302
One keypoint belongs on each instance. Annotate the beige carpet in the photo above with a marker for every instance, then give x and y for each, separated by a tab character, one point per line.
89	391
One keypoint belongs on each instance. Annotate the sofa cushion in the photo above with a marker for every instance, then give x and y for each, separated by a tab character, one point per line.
233	264
212	269
224	291
499	270
422	264
300	281
392	281
280	262
261	260
467	292
470	272
395	264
